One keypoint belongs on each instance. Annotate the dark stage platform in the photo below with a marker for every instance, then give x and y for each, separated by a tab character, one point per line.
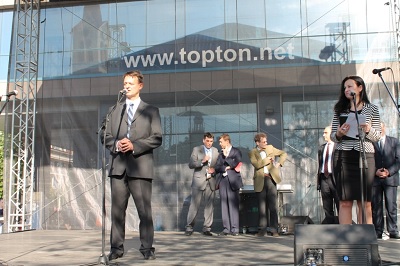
73	247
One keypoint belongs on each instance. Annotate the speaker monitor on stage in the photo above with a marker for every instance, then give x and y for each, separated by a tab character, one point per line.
331	244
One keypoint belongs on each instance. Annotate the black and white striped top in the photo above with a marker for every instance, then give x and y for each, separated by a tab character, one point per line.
372	117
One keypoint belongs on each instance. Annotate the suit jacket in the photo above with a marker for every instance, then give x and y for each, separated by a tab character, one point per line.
233	159
389	158
320	161
145	133
259	163
199	180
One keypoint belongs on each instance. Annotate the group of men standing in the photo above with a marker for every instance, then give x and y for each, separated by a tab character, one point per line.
215	170
384	189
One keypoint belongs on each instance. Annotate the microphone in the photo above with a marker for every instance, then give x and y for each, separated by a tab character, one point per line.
379	70
11	93
352	93
123	92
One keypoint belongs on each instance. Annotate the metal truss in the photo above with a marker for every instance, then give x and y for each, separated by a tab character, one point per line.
397	25
23	77
338	48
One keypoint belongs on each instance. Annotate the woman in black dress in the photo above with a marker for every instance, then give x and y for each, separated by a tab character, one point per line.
348	149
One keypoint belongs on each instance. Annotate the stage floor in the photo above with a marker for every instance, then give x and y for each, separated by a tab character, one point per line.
76	247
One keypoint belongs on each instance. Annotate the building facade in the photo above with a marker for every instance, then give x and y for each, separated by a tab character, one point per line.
220	66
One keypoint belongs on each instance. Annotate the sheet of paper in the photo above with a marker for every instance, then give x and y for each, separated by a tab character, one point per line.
351	120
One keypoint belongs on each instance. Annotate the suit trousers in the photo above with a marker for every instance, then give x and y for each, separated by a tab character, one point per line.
390	194
268	198
330	198
197	195
140	189
229	206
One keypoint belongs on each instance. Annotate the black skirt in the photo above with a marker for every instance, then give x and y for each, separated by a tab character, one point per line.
348	176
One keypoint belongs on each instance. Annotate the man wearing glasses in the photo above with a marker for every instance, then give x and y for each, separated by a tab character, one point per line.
266	176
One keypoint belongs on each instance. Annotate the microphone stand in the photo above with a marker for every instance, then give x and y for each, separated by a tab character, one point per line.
103	259
391	96
362	161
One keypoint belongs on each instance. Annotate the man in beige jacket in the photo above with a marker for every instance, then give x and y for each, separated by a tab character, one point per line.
266	176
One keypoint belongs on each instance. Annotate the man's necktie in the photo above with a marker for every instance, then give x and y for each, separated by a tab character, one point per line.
208	152
380	145
326	172
130	116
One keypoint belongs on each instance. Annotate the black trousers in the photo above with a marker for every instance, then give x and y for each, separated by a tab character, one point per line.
330	198
140	189
267	198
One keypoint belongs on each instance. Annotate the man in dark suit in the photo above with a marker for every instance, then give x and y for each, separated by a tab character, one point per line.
266	177
133	131
203	161
229	182
387	163
325	181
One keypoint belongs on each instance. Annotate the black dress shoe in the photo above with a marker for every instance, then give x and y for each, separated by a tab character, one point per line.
149	255
234	234
275	234
188	233
395	236
260	233
114	255
207	233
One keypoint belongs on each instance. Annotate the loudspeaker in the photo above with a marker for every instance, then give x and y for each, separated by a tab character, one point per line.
331	244
287	223
248	211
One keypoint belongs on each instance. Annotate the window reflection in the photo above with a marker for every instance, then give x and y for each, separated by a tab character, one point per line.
88	39
184	129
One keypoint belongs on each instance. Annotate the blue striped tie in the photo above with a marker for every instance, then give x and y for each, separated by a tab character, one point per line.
130	116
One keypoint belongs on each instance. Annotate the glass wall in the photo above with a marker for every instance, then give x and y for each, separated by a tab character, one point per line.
224	66
160	36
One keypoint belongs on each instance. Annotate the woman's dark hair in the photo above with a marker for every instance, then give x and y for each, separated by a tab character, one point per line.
343	104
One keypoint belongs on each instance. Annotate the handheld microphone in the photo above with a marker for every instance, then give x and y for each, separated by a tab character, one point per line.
379	70
12	93
123	92
352	93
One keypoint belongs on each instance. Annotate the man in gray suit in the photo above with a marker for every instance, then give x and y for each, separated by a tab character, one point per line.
202	160
133	131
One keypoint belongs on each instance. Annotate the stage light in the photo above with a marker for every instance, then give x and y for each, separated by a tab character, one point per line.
327	52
